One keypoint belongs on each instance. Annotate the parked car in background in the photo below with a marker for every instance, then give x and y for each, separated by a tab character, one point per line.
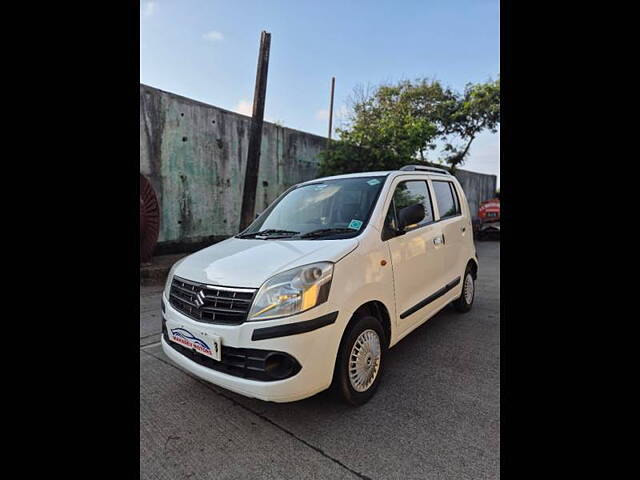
488	223
315	291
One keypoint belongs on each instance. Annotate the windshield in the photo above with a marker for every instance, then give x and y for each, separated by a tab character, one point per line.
334	208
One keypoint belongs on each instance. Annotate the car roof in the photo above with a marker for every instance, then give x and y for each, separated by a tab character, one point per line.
375	174
349	175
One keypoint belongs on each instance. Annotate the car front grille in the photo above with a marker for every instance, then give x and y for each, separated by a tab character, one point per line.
209	303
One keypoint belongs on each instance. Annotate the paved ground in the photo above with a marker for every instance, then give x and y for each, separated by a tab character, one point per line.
436	414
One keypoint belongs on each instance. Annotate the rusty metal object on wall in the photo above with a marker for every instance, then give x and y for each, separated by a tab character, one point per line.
149	220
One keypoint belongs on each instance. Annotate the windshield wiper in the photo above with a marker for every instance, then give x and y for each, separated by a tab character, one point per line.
326	231
269	232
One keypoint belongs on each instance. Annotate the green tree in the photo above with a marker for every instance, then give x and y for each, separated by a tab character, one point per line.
476	110
398	124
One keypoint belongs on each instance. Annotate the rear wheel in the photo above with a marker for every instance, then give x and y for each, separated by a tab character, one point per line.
360	360
463	304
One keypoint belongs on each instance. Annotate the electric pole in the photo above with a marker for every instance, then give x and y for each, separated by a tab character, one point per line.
255	135
333	86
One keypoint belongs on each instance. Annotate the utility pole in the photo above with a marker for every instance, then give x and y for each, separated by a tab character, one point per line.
333	86
255	135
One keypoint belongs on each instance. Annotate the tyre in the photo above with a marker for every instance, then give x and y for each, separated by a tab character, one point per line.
360	360
463	304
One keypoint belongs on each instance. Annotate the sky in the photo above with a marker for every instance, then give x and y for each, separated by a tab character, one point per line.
208	50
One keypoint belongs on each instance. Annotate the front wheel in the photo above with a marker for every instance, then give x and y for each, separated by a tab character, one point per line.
463	304
360	360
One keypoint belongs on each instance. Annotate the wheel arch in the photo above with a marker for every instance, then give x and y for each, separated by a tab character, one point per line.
377	309
474	267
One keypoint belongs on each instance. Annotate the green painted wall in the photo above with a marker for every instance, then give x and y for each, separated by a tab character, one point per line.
195	156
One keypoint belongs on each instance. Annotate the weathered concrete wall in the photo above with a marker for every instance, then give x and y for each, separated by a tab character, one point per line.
477	187
195	156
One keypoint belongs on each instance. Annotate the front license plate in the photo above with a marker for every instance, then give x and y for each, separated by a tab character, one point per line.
203	343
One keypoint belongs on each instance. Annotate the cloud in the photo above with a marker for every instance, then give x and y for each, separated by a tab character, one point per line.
244	107
148	8
213	36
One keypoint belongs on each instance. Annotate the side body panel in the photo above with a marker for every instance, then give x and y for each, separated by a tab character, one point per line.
452	265
467	248
455	231
360	277
417	259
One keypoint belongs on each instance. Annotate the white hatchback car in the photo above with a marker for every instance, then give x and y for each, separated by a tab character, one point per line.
312	294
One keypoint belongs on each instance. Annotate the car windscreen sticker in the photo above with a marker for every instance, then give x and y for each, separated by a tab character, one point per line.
355	224
373	181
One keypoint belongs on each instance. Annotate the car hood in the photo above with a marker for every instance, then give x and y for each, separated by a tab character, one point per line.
237	262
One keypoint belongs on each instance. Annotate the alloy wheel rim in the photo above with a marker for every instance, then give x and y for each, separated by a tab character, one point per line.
364	360
468	289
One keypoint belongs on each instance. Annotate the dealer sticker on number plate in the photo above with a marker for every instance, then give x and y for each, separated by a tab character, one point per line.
205	344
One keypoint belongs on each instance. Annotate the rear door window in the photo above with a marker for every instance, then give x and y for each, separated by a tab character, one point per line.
446	198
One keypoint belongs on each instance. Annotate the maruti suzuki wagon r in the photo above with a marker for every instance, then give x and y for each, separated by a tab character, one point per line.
315	291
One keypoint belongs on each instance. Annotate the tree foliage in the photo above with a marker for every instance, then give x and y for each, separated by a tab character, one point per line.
398	124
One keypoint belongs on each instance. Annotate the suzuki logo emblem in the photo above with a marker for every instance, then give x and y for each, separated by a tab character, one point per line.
199	301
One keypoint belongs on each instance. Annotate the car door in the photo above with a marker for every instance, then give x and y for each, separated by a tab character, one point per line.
454	227
416	255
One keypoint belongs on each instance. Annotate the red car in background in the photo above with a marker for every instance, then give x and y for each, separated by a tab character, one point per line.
488	222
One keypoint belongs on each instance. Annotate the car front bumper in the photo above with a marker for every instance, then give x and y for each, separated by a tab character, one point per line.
311	338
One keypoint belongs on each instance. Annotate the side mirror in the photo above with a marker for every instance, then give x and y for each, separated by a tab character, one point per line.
410	215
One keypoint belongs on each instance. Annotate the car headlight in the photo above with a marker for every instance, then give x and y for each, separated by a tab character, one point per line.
293	291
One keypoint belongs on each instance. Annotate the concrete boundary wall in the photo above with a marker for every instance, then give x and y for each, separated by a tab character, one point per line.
195	154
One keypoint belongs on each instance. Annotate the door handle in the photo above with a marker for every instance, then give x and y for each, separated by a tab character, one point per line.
463	229
439	240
